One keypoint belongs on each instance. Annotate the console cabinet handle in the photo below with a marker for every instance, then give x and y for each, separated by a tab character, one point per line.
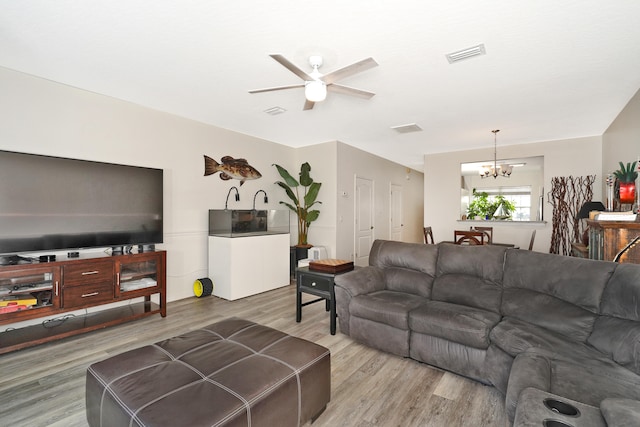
91	294
87	273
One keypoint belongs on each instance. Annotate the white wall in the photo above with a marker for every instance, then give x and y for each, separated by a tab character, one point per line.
335	165
621	141
576	157
351	162
43	117
322	159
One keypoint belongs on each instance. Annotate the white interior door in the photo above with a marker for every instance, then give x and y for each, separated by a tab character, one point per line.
363	220
396	215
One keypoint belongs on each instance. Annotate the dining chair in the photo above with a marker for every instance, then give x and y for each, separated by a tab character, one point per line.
463	237
488	231
428	235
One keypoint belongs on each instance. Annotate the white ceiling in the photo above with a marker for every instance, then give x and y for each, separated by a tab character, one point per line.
553	69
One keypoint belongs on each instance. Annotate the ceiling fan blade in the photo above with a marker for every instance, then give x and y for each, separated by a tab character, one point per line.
292	67
346	90
308	105
271	89
349	70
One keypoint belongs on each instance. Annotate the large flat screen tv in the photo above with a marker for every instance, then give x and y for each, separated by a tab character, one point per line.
53	203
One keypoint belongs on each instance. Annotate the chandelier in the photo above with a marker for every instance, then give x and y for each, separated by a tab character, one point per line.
495	170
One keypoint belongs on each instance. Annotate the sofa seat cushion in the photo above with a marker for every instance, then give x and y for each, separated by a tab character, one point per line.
458	323
515	336
387	307
588	383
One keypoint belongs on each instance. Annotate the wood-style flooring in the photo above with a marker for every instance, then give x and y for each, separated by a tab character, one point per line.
45	385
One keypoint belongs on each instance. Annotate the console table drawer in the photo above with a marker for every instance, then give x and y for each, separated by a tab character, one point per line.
316	282
78	296
74	275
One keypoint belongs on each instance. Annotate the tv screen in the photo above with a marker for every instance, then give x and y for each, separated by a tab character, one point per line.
49	203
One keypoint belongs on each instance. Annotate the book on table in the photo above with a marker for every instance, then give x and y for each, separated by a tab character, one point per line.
616	216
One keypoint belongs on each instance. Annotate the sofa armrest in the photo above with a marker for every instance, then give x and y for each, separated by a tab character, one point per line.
529	369
348	285
361	281
621	412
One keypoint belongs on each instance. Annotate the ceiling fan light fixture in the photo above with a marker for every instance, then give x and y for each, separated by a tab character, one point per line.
315	91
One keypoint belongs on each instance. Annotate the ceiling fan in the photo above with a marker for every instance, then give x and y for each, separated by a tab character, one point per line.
316	84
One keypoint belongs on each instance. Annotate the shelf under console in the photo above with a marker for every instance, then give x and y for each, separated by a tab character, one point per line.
17	339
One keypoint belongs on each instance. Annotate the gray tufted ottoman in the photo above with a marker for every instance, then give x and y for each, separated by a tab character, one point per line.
231	373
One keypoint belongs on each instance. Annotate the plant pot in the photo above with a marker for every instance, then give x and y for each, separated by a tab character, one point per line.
627	192
302	252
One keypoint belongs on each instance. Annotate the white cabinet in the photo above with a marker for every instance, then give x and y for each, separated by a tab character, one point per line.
244	266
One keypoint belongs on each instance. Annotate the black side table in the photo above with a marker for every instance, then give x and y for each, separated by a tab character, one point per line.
320	284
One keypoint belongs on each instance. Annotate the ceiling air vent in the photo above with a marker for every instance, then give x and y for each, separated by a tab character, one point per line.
466	53
274	111
412	127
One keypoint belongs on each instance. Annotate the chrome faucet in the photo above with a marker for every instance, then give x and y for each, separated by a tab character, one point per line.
237	196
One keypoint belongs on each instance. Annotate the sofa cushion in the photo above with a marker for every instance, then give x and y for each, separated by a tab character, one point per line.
561	276
617	331
621	296
458	323
407	267
387	307
619	339
413	256
556	292
408	281
548	312
469	275
515	336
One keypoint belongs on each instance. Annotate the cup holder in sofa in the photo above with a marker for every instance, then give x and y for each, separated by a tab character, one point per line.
560	407
555	423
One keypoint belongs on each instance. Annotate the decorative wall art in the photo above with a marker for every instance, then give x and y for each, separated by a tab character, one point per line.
567	196
231	168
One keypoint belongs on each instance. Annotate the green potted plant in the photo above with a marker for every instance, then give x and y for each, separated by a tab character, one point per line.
627	176
479	206
302	203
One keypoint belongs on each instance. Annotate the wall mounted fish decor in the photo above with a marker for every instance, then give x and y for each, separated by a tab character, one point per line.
231	168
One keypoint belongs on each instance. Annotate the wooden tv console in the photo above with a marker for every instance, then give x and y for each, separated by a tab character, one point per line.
53	289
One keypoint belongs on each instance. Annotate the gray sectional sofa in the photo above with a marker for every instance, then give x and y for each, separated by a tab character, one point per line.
514	319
